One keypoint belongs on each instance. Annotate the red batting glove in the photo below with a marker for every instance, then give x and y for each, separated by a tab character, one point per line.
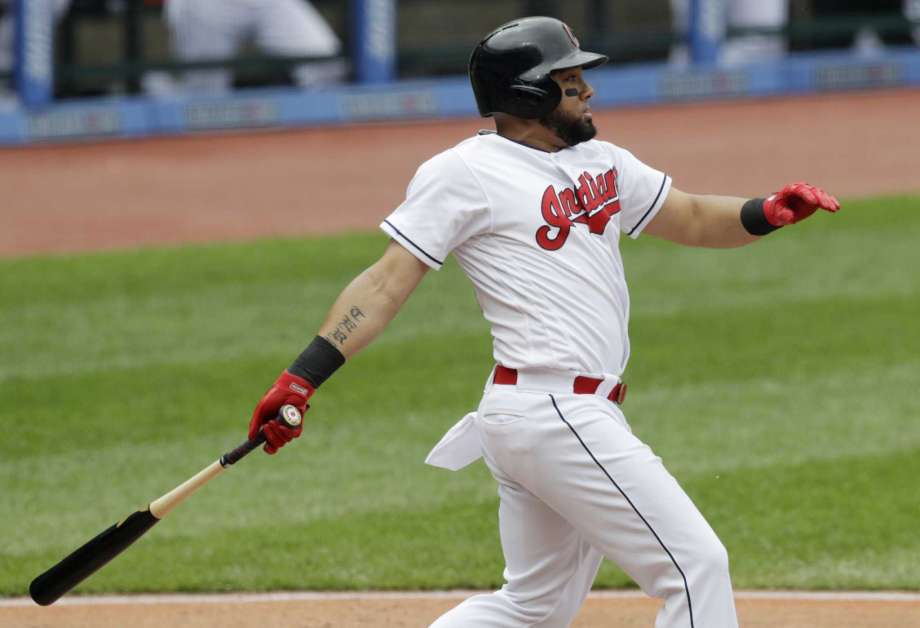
290	389
796	202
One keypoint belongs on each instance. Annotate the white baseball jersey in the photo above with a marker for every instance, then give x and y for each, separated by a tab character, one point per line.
537	234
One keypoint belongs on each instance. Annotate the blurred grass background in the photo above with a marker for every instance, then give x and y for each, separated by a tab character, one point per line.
778	382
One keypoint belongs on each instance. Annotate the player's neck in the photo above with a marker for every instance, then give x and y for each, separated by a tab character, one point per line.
528	132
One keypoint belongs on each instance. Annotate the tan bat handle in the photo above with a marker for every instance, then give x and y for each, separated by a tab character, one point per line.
161	506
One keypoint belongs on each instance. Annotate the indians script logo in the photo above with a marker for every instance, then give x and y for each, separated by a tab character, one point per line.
592	203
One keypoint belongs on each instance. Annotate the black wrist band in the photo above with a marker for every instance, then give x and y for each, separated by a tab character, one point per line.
318	362
754	220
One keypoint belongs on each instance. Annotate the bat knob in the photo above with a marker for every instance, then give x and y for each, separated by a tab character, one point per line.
290	415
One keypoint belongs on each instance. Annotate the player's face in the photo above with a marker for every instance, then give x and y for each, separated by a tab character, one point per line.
571	120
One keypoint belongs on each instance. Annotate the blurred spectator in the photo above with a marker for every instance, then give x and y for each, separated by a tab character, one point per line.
912	13
868	39
756	14
7	30
207	30
740	14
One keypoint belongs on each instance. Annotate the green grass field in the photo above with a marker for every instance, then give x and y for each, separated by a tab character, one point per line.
778	382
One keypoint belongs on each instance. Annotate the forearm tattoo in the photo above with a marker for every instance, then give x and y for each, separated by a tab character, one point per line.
345	327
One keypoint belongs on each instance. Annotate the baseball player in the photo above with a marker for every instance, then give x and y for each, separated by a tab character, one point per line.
769	15
912	13
205	30
533	214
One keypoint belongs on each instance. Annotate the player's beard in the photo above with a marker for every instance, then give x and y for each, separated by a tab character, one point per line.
569	129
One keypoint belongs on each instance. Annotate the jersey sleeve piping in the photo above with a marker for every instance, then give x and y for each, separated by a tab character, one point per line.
411	246
652	210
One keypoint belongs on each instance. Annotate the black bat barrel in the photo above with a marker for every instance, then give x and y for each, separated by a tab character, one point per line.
87	559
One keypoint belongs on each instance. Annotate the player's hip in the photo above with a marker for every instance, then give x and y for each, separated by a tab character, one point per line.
523	392
523	428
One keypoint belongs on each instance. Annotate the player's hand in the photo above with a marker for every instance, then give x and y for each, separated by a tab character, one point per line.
290	389
796	202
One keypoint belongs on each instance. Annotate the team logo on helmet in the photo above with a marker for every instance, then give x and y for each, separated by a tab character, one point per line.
568	31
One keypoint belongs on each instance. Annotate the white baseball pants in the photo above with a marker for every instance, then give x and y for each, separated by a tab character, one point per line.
576	485
216	29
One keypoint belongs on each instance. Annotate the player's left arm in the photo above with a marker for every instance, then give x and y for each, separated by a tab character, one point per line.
729	221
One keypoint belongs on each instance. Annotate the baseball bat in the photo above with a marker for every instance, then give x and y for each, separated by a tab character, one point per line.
95	553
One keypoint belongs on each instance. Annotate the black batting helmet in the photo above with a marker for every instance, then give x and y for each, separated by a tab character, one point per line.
510	68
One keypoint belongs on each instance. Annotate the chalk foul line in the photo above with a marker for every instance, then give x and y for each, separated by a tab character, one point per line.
314	596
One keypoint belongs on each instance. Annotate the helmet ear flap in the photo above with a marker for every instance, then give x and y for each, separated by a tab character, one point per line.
537	98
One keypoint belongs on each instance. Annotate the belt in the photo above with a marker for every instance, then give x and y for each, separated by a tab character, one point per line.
581	384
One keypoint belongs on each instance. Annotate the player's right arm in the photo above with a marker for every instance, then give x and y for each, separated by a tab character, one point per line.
444	206
359	314
368	304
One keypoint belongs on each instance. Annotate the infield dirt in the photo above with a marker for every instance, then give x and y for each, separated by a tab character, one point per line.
407	610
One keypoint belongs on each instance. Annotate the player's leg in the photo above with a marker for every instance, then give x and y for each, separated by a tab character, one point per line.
621	499
204	30
679	55
541	554
6	42
295	28
548	567
577	589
